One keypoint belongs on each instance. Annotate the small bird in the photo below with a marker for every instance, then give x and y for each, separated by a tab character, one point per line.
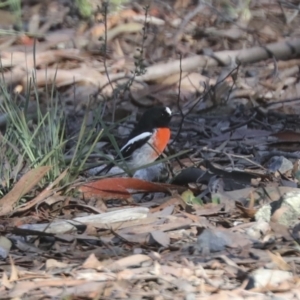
147	140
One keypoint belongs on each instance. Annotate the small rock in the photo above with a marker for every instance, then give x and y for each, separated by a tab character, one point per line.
291	209
212	241
5	245
280	164
251	73
265	277
258	230
285	211
264	213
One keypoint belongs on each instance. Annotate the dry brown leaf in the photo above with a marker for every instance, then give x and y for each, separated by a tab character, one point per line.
53	263
123	225
14	274
25	287
278	213
65	77
43	195
281	231
21	188
174	223
92	263
248	212
23	63
5	281
125	275
190	82
27	61
209	209
167	211
172	201
129	261
160	237
252	201
287	136
25	40
124	28
180	4
279	261
99	29
121	188
194	218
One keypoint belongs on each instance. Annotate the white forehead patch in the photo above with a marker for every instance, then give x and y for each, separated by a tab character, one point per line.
168	110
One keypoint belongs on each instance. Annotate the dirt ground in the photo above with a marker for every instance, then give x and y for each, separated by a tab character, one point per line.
223	223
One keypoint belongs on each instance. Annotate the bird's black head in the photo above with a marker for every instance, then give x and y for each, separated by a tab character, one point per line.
155	117
159	116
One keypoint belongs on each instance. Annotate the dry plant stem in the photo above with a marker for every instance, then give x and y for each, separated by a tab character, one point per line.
234	77
266	155
105	6
282	102
282	50
241	124
275	70
63	226
234	155
178	102
187	19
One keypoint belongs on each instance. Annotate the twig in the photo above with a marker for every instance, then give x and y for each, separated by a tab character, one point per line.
234	155
105	12
178	102
282	102
282	50
241	124
186	20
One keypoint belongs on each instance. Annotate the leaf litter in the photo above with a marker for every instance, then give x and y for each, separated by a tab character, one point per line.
226	223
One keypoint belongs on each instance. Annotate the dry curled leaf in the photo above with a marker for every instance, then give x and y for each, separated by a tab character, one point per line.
21	188
248	212
122	188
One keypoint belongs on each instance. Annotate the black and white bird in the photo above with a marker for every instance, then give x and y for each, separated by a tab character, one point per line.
147	140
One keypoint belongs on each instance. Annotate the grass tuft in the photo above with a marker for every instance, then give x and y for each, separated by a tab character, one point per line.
37	137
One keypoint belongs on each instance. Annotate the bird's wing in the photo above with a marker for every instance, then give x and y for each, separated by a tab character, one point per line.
131	145
135	143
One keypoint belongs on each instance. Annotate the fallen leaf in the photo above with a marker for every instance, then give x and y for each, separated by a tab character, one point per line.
124	28
43	195
53	263
122	188
98	220
129	261
279	261
5	245
215	240
210	209
248	212
14	273
99	29
191	82
65	77
21	188
278	213
287	136
168	203
160	237
92	263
